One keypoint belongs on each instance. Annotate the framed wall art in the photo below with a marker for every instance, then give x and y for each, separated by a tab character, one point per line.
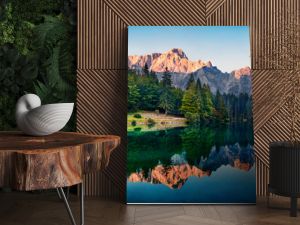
189	123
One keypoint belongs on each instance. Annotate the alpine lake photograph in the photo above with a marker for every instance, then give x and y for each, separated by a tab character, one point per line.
190	123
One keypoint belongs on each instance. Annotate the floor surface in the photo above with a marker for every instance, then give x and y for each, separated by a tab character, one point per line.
19	208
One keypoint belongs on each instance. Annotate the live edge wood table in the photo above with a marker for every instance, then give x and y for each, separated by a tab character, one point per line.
52	162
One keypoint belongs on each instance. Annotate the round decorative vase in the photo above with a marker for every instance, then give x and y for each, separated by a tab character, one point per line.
285	171
40	120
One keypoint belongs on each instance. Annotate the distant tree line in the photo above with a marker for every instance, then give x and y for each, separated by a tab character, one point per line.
197	103
197	142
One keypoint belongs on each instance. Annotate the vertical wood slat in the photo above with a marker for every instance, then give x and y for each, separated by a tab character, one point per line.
101	40
102	56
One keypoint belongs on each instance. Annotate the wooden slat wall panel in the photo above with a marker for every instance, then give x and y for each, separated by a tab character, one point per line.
102	63
267	94
262	177
159	13
102	37
98	184
277	128
212	6
102	109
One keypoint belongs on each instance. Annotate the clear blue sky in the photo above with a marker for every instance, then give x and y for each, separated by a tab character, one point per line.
227	47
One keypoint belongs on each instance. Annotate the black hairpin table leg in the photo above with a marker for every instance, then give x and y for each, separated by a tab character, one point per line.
67	193
62	195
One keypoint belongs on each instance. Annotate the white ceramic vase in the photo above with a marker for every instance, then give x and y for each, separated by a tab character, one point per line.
40	120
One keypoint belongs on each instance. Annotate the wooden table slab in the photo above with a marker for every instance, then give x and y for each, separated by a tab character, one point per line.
57	160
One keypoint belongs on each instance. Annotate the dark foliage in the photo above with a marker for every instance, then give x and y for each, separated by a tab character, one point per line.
38	47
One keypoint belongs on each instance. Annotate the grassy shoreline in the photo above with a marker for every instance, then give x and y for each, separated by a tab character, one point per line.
151	121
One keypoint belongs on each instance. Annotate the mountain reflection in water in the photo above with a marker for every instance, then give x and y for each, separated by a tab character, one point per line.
179	170
192	165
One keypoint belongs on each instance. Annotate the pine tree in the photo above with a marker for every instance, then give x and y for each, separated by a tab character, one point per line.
207	102
177	95
145	69
199	90
191	104
166	79
249	108
133	97
221	112
166	101
190	82
153	76
198	85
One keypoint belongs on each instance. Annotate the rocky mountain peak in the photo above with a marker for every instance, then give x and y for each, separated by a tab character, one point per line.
181	69
245	71
174	59
176	51
209	64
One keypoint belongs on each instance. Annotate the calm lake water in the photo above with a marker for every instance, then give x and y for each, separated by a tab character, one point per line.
191	165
